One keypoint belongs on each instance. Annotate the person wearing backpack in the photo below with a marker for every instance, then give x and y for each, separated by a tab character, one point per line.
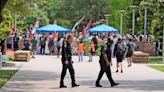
58	46
130	50
81	51
91	50
26	43
42	44
51	44
95	41
119	53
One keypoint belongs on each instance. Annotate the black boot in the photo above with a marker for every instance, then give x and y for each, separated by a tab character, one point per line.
114	84
98	84
62	85
75	85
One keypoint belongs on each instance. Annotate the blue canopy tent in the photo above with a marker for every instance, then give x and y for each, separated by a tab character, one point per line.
103	28
52	28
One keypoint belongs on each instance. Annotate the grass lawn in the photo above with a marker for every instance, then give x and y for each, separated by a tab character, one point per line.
160	68
5	75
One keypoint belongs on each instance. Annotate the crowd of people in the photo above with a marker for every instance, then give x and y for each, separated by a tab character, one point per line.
37	44
119	47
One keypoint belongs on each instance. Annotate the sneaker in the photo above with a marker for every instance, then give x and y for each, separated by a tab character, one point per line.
121	71
116	71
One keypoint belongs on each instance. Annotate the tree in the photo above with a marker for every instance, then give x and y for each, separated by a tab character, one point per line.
2	4
114	7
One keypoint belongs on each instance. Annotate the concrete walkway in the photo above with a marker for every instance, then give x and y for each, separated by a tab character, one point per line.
43	75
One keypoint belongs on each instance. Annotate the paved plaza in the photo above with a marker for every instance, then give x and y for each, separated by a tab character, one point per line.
43	75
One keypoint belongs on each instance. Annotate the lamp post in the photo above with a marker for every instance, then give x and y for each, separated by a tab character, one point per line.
133	19
145	18
107	16
162	18
163	45
121	17
15	23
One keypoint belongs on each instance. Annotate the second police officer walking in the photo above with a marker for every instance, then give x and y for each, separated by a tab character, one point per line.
67	62
105	59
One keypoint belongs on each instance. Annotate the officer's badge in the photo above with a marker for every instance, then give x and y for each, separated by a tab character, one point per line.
65	44
105	47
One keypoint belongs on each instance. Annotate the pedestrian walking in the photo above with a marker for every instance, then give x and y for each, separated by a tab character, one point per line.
119	52
130	50
105	59
67	62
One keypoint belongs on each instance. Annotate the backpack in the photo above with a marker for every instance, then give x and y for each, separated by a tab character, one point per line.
121	48
58	44
130	47
42	40
51	41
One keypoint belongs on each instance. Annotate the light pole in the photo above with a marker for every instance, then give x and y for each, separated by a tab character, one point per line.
163	43
145	18
107	16
162	18
15	23
121	17
133	19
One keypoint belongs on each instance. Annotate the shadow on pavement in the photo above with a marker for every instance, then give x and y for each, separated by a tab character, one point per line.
147	85
35	76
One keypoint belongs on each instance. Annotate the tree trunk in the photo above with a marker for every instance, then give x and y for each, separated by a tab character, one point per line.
2	4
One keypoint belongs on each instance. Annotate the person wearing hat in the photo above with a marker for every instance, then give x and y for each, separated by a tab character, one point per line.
105	59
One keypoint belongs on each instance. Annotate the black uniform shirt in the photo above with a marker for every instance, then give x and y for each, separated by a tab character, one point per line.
105	51
66	52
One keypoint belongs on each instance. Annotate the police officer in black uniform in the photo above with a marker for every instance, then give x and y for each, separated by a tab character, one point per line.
67	62
105	59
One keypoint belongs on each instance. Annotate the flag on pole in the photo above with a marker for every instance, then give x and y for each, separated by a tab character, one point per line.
111	35
12	30
31	34
55	21
84	31
55	35
77	23
37	23
87	29
89	24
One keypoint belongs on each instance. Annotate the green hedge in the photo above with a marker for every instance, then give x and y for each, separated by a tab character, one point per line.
155	60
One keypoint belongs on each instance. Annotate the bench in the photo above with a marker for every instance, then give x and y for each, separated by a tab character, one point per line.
140	57
22	55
